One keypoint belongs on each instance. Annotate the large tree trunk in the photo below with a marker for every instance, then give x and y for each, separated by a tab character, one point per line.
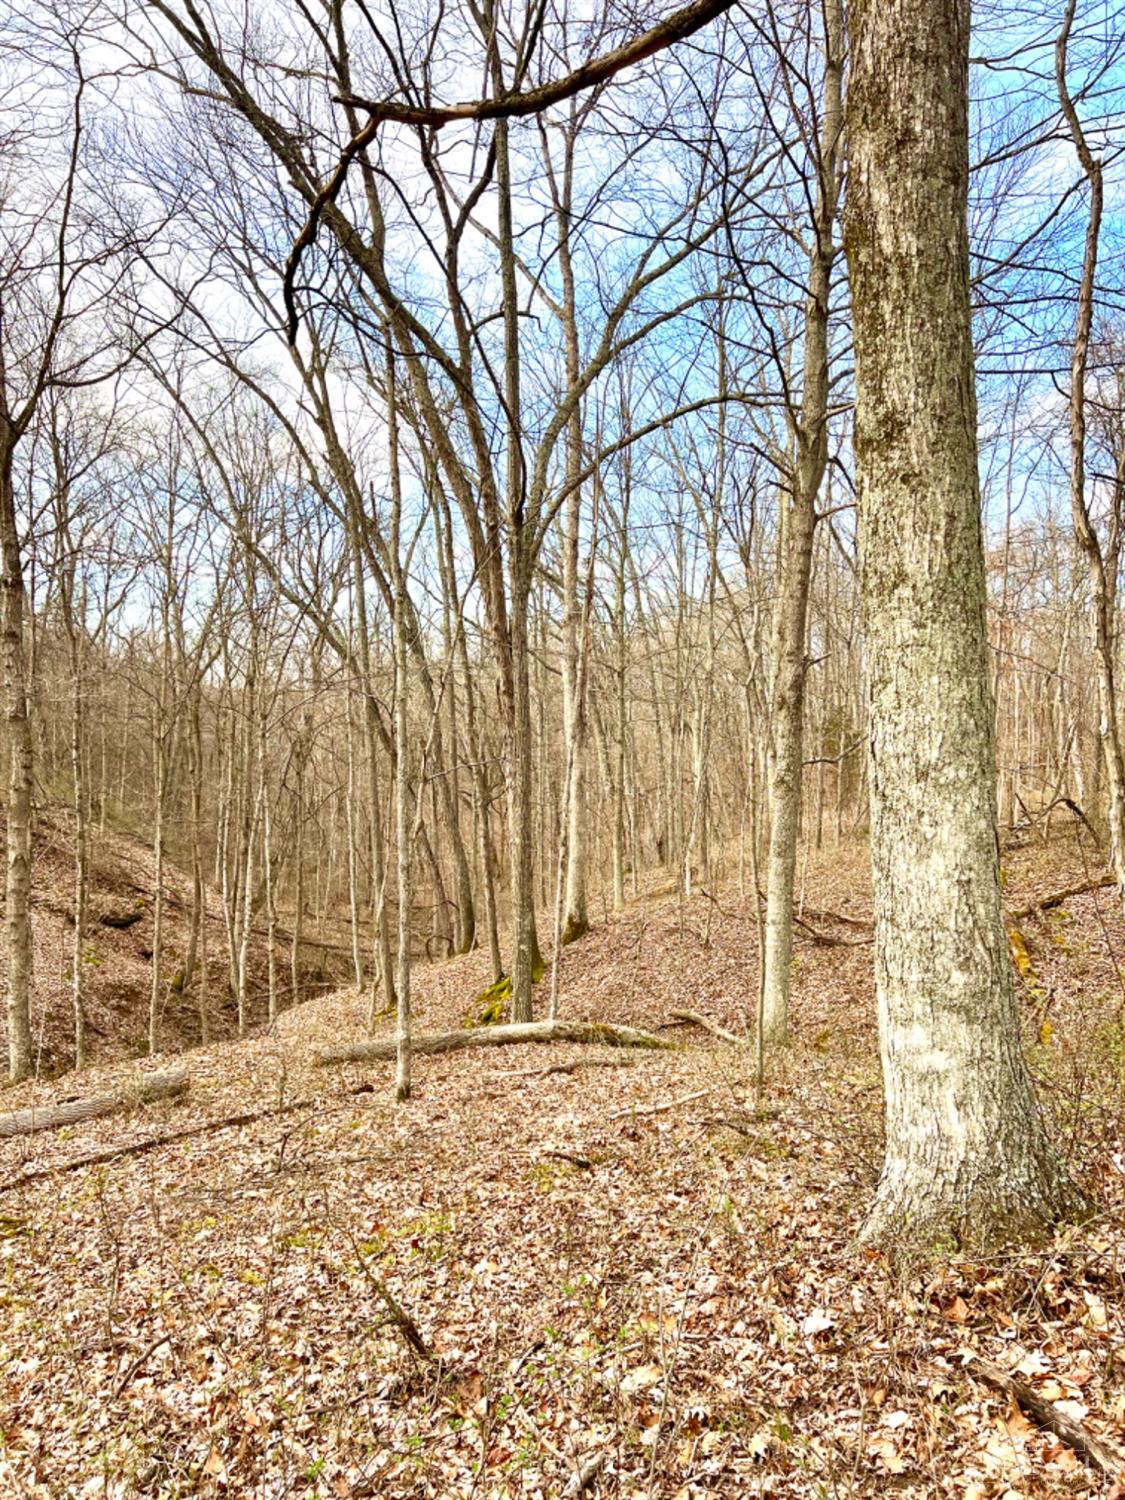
790	660
966	1155
17	910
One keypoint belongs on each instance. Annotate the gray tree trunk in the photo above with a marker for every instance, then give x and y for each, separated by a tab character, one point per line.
17	908
966	1156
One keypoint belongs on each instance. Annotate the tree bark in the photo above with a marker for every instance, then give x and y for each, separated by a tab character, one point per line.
966	1156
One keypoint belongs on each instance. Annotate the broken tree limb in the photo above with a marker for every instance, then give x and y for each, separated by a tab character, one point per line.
170	1138
620	1059
496	1036
142	1090
584	1475
657	1109
397	1315
695	1019
828	939
1056	898
1092	1450
824	914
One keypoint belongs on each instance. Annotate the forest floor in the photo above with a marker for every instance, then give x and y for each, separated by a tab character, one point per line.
627	1281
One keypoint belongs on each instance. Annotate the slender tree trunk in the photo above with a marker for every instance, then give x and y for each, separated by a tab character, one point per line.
81	826
1102	566
790	662
268	871
198	890
17	909
966	1156
404	831
526	959
352	832
404	839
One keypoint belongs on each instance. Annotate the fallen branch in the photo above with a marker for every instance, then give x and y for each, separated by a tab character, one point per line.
397	1314
695	1019
1056	898
1093	1450
153	1143
827	939
584	1476
657	1109
584	1163
824	914
127	1379
142	1090
613	1060
495	1036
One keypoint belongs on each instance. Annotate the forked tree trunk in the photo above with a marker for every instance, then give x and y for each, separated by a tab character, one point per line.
966	1156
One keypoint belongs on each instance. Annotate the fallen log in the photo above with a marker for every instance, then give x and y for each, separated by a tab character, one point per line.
170	1138
695	1019
495	1036
1092	1450
826	914
142	1090
1056	898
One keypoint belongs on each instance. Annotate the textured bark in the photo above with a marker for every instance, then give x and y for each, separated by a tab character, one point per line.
790	660
966	1156
498	1036
143	1090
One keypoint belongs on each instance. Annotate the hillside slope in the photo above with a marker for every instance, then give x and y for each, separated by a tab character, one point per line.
117	970
623	1280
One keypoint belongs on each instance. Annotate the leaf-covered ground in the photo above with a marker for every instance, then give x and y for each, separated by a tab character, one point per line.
627	1279
117	960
